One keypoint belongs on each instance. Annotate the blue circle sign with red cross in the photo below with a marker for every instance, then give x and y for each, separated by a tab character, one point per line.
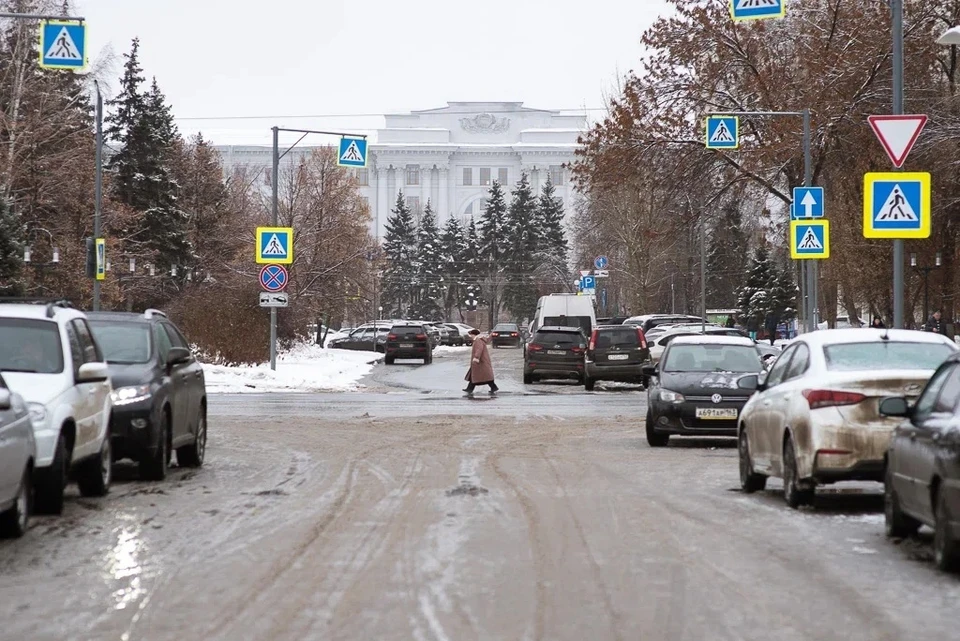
273	278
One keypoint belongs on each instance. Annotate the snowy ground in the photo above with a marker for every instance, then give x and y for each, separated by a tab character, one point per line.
304	368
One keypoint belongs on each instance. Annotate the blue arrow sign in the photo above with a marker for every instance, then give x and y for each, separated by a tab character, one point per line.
63	45
807	202
757	9
601	262
353	152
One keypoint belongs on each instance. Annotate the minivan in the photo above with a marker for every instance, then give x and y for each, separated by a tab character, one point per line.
565	310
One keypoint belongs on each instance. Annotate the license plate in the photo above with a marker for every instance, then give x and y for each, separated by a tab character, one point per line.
618	357
556	352
406	344
716	413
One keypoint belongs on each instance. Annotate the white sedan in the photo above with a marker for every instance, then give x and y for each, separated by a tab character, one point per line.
815	417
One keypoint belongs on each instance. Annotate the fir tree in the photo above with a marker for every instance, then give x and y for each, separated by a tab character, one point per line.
492	267
553	249
783	298
473	268
454	260
755	297
399	249
429	266
726	259
126	112
522	244
11	250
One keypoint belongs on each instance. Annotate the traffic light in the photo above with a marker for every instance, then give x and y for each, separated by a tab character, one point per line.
91	263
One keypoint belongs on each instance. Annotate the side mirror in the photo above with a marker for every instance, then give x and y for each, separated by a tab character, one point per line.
178	355
649	370
93	373
6	399
762	381
895	406
748	382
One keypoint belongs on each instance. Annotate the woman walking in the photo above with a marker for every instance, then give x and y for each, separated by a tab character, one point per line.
481	367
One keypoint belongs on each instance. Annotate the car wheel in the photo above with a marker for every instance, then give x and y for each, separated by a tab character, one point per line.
946	549
94	476
589	384
750	481
896	524
153	466
388	360
13	522
645	382
793	493
48	495
655	439
527	378
428	359
192	455
380	349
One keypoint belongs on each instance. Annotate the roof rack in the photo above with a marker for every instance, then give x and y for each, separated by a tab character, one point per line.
150	313
51	303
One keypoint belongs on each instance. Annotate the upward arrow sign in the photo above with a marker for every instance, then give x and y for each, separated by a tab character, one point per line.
808	203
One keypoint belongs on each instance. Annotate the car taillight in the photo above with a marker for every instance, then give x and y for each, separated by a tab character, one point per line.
391	337
593	340
421	337
827	398
533	347
643	338
514	334
494	333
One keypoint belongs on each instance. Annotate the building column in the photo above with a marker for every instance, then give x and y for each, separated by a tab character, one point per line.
443	175
383	200
426	180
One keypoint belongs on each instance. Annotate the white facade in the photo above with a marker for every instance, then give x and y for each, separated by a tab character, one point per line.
450	156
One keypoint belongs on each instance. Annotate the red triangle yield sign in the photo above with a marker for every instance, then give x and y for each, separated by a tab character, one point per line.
898	134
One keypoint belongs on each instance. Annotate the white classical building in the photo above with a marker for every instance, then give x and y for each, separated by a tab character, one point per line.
450	156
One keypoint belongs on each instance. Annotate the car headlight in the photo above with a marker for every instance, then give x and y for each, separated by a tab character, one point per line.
131	394
38	412
671	397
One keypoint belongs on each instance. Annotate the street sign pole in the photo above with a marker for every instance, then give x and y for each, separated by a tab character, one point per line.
896	8
98	186
275	215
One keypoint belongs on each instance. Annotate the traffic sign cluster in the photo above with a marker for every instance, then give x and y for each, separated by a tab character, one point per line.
274	250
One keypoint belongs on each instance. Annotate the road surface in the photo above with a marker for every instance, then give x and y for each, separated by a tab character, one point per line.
407	511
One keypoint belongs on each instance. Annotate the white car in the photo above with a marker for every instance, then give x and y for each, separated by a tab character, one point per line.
18	451
49	356
815	417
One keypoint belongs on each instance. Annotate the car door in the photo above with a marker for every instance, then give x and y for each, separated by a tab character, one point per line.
87	411
99	391
178	390
361	339
192	373
764	444
13	448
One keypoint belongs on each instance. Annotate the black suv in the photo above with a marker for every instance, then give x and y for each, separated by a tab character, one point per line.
554	352
616	353
159	392
410	340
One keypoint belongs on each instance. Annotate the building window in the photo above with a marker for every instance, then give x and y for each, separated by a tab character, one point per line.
503	175
413	204
413	175
556	174
485	176
363	177
467	176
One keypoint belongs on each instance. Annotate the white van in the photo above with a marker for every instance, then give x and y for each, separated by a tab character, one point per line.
565	310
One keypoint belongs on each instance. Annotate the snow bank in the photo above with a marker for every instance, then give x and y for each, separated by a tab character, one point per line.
446	350
304	368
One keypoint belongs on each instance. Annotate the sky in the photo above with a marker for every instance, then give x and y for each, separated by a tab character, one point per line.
219	61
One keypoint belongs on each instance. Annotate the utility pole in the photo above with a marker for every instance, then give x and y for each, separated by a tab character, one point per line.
896	8
98	188
703	274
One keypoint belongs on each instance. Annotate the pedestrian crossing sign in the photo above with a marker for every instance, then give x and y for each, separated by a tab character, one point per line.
757	9
809	239
723	132
275	245
63	44
353	152
896	205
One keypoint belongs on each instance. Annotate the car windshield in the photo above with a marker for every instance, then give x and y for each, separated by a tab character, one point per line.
32	346
559	338
712	358
618	338
123	343
852	357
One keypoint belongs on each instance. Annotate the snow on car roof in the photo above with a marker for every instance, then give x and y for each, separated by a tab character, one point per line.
712	339
823	337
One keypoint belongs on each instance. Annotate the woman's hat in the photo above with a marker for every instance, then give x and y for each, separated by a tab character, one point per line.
474	332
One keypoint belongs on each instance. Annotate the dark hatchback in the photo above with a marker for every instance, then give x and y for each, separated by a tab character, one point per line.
922	481
159	393
554	352
616	353
506	334
700	387
408	341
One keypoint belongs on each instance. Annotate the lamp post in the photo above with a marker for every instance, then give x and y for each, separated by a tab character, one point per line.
926	277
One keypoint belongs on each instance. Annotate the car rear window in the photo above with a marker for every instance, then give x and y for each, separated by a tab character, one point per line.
585	323
559	338
407	330
123	343
626	337
30	346
712	358
506	328
852	357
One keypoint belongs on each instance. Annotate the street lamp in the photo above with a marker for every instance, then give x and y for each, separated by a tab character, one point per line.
951	37
926	276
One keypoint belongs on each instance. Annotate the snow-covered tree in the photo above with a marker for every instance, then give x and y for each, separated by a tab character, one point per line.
553	248
11	250
454	257
726	258
493	250
784	293
429	266
523	244
399	249
754	298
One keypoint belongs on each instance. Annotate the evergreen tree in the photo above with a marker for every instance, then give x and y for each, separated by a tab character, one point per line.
784	294
492	267
726	258
553	248
473	267
428	298
454	259
755	298
11	250
399	249
522	256
126	110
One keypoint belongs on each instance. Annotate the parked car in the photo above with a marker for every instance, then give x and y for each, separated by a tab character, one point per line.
612	320
922	471
446	335
815	417
696	389
505	334
565	310
555	352
369	337
616	353
408	340
18	451
649	321
49	356
159	395
464	332
458	334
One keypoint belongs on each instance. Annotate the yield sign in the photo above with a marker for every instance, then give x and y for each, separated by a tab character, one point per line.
898	134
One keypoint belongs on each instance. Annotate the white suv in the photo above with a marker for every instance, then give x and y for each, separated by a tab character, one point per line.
49	356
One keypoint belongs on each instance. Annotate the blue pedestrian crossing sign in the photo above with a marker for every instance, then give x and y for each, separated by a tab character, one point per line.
723	132
807	202
757	9
63	45
275	245
809	239
353	152
896	205
601	262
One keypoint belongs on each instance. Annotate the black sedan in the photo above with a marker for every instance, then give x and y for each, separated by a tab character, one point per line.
700	386
506	334
922	476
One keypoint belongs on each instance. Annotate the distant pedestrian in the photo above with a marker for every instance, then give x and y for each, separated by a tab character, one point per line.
729	324
935	324
753	326
877	323
770	324
481	367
